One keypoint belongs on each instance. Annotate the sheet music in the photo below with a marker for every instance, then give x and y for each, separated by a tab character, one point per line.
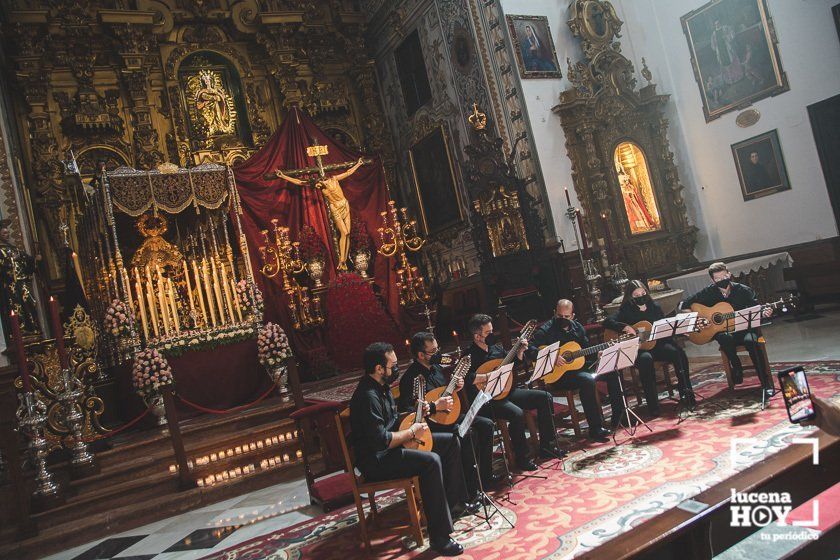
749	318
481	399
545	362
682	323
497	379
618	356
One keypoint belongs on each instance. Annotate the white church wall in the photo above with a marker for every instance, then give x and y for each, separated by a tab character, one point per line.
810	54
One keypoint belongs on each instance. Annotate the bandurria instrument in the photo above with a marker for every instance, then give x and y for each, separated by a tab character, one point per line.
491	365
423	442
444	417
720	317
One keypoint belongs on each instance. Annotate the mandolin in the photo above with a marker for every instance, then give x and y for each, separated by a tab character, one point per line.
721	317
491	365
645	328
423	442
575	356
444	417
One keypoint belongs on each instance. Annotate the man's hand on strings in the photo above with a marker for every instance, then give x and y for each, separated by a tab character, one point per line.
629	330
444	404
459	384
560	361
426	409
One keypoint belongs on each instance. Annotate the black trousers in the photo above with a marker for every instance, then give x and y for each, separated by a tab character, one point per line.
749	339
513	409
441	478
584	382
664	351
480	438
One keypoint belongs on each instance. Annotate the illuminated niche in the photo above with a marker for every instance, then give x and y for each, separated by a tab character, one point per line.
636	189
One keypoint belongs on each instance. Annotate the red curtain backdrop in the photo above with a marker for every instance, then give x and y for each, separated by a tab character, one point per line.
294	207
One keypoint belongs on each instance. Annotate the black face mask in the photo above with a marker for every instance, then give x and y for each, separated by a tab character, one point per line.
564	323
723	284
436	358
490	339
641	300
393	376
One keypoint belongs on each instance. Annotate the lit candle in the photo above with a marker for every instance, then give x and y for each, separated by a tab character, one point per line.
457	340
583	244
58	333
568	200
189	287
21	353
610	248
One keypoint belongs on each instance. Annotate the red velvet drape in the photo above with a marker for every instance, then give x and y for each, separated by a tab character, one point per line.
295	207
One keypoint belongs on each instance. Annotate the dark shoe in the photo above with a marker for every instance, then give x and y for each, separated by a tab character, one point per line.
468	508
737	376
690	400
601	434
552	453
526	465
447	548
768	393
493	480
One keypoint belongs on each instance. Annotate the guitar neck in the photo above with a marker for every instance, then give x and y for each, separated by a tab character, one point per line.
763	307
592	349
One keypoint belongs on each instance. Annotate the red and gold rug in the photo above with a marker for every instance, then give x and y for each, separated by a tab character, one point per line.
599	491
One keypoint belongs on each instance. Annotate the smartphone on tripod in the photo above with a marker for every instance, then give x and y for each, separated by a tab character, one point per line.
797	393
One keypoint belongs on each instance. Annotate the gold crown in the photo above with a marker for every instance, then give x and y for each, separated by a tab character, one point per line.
477	119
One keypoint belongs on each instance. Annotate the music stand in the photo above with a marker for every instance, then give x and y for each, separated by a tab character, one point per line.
749	318
618	357
544	364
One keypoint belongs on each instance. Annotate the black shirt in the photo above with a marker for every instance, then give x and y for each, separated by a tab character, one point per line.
551	332
740	297
434	378
477	358
630	314
373	416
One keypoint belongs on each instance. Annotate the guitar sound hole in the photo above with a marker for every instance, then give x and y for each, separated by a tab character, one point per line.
567	356
716	318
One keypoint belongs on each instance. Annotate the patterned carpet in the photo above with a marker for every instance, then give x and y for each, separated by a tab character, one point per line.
598	492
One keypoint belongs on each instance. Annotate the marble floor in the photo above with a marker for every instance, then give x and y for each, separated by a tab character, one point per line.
216	527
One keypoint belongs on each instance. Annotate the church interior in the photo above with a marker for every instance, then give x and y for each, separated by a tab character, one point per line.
413	278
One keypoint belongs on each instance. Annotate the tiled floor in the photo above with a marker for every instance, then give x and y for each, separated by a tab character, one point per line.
216	527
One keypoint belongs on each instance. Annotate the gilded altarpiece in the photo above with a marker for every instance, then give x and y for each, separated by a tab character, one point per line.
162	81
617	139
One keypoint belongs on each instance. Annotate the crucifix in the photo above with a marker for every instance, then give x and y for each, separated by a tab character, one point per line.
337	204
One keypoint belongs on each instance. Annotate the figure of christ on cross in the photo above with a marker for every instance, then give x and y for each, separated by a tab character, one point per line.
331	189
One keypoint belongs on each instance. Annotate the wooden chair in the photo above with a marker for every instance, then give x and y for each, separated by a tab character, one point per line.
667	381
762	352
411	487
323	462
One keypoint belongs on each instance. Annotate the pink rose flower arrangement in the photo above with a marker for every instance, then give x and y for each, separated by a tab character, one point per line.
150	372
118	318
273	345
244	298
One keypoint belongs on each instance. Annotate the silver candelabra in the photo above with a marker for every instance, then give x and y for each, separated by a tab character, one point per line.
31	418
72	393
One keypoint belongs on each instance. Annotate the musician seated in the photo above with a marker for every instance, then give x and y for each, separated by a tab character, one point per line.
564	328
427	358
485	347
637	306
380	455
739	296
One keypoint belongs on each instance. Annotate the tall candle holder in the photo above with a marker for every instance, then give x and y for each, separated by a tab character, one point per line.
619	276
32	417
592	275
72	392
398	238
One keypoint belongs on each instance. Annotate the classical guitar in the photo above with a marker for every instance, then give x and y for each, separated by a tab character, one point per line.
490	365
423	442
645	329
721	317
444	417
575	356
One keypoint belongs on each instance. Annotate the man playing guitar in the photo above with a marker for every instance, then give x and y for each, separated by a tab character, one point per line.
427	356
564	328
637	306
739	296
484	348
380	454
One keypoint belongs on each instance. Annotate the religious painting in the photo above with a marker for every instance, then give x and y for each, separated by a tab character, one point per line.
835	11
761	168
213	99
434	181
734	54
533	46
637	193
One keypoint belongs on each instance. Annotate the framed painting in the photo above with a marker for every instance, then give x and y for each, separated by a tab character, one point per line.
761	167
533	46
434	182
734	54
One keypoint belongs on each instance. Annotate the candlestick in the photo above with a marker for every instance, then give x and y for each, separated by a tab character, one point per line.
150	298
164	311
217	293
457	340
189	288
21	353
583	244
610	248
173	302
200	292
568	200
58	333
141	305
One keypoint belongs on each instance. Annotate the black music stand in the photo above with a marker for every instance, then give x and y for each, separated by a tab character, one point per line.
618	357
543	365
748	319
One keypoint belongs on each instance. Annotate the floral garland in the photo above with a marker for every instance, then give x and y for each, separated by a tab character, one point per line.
151	371
118	319
311	246
359	238
273	345
244	298
202	340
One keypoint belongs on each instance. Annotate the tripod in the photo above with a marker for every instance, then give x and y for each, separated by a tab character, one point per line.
630	428
487	503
